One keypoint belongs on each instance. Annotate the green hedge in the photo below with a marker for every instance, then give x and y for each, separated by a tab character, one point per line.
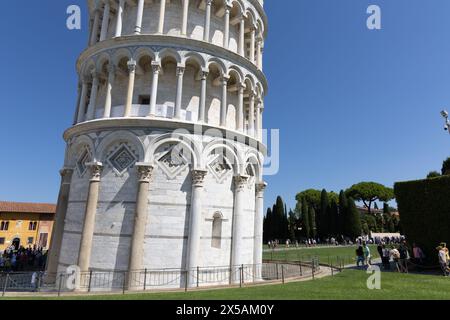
424	208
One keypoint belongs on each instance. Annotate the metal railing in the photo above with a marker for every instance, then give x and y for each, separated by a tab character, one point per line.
143	280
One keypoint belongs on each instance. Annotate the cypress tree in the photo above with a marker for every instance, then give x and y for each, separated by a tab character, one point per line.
312	219
306	219
343	212
324	225
353	222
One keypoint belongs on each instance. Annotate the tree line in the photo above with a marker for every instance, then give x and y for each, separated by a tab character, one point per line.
321	214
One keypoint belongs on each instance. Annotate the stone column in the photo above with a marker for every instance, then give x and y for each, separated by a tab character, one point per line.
252	44
202	111
156	70
198	179
119	20
258	125
241	88
144	171
109	85
184	22
179	97
258	53
140	12
130	91
162	13
251	115
75	117
240	183
224	106
94	33
226	34
207	21
93	99
105	22
58	227
84	257
259	219
83	99
242	37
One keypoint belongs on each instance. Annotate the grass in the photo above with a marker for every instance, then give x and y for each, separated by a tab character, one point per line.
328	255
349	285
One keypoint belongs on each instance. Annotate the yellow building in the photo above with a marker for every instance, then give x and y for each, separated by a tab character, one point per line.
26	224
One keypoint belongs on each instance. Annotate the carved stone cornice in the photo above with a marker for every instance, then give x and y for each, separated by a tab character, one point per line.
145	171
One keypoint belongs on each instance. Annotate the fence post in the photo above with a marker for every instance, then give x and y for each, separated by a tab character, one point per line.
278	277
124	282
301	269
332	270
145	279
313	267
60	284
90	281
240	277
6	285
282	274
186	280
198	277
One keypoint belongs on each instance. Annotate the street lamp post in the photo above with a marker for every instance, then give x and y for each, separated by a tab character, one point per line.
444	114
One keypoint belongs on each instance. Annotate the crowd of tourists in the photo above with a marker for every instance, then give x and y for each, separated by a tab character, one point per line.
398	255
23	259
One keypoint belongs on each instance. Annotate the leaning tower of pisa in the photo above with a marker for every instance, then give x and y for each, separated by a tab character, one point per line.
163	165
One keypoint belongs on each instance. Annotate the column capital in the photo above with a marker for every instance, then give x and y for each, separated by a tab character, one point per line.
145	171
209	2
66	175
260	188
180	70
131	65
95	169
242	86
240	182
204	74
156	67
224	80
198	177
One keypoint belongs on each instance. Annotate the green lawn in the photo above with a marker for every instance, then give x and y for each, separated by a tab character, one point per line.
349	285
326	255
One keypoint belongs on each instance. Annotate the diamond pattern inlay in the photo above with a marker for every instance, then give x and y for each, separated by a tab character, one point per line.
122	159
84	158
220	168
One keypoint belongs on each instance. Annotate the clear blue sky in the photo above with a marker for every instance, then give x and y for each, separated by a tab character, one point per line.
351	104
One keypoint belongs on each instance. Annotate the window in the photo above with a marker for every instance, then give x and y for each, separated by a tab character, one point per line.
2	241
4	226
216	241
144	100
43	239
30	240
32	226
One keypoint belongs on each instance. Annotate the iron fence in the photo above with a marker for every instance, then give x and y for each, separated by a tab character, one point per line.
142	280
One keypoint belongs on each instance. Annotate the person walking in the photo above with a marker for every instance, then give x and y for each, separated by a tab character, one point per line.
443	260
385	257
367	256
359	256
